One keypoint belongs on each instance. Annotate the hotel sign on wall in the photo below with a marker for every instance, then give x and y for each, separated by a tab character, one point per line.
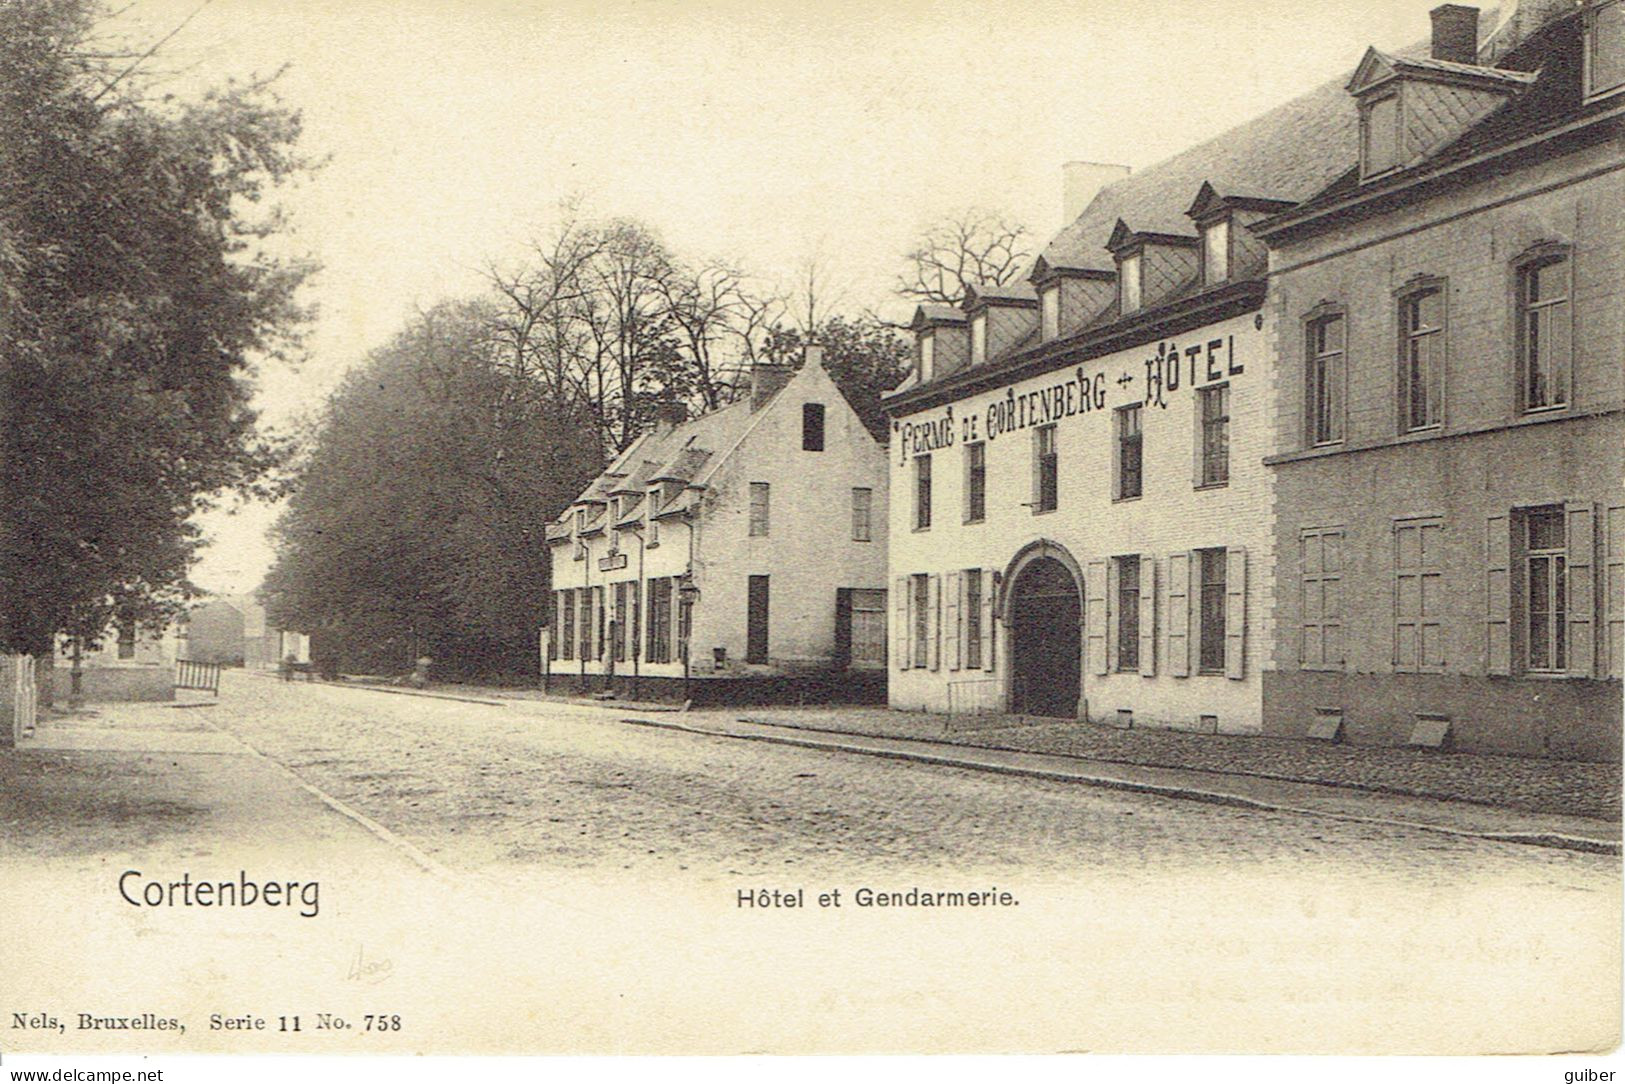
1175	368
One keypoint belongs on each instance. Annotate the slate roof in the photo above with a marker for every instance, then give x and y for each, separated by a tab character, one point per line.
1289	153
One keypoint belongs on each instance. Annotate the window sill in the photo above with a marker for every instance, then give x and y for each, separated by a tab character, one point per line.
1122	500
1324	667
1211	485
923	530
1542	417
1044	511
973	522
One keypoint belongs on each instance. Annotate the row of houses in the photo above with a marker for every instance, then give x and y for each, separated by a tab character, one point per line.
1315	425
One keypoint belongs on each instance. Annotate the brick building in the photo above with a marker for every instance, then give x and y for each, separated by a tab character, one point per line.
1080	512
1449	317
736	555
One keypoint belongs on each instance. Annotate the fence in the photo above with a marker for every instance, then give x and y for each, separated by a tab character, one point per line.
203	676
19	698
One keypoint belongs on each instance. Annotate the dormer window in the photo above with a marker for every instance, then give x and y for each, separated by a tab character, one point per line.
1379	135
978	338
1605	47
1216	252
928	356
1049	302
1128	283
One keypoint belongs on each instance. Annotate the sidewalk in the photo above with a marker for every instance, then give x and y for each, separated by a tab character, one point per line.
1041	750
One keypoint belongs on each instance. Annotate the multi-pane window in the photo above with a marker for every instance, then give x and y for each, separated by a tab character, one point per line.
975	482
126	641
1546	557
1128	451
921	587
567	624
1381	132
812	427
1128	613
1605	46
1216	252
1321	602
758	509
1325	383
928	356
1128	283
922	492
862	507
1046	468
660	619
1543	332
1049	305
1215	408
1421	358
978	338
973	619
1211	615
1418	596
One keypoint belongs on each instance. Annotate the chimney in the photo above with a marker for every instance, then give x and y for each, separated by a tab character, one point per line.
812	356
1081	182
671	413
1455	33
766	378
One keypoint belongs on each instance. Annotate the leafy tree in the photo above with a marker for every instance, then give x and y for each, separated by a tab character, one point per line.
136	292
416	524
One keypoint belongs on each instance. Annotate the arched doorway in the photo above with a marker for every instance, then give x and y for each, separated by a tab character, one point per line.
1046	641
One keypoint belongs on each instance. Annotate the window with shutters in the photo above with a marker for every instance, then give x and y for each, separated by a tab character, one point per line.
1320	608
618	640
1418	596
1210	616
758	509
1544	329
922	492
975	482
553	619
812	427
600	640
660	590
973	619
1128	459
1605	47
1421	358
1545	591
1128	613
1046	470
1215	451
921	607
862	508
1324	385
567	624
585	607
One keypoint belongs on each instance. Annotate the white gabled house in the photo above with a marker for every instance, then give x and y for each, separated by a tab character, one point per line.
738	555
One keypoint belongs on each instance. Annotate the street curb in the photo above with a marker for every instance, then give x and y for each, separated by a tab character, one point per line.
1551	840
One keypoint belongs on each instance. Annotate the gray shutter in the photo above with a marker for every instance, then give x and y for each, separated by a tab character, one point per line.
1581	564
1148	615
953	629
1235	613
1614	589
934	622
1179	614
903	641
1497	596
989	614
1094	580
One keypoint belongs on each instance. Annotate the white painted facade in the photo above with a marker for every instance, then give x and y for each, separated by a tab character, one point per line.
695	511
1089	530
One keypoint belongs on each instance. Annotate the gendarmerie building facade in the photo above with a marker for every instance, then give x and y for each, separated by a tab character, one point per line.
1450	322
1080	513
733	556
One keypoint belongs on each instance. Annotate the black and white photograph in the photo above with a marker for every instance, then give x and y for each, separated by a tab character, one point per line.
750	527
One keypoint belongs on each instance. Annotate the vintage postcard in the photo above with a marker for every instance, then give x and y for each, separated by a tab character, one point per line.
769	528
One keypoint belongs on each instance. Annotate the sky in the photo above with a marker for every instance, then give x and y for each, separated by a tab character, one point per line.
760	131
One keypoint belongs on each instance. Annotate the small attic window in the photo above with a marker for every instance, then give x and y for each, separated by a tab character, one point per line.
1128	283
978	338
1049	304
928	356
1379	136
1216	252
1605	47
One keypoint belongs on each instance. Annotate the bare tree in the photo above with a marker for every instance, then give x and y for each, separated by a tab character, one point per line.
968	248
